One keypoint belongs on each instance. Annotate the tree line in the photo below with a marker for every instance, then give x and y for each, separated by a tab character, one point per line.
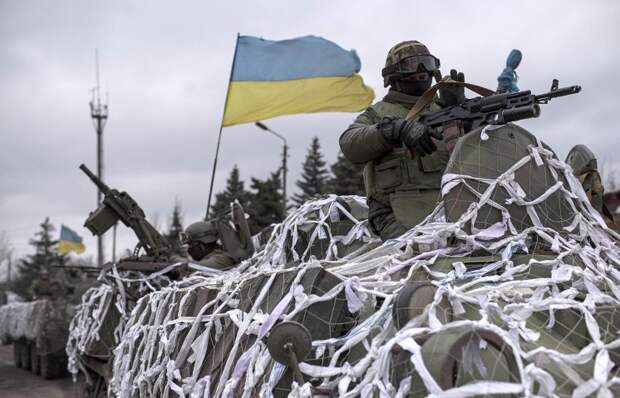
264	201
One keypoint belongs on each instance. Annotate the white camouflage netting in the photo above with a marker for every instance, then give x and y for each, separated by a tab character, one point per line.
22	320
97	302
162	350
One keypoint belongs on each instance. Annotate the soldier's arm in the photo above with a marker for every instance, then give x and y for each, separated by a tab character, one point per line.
362	141
218	260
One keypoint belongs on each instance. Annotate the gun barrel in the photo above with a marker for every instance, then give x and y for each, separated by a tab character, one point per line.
560	92
100	184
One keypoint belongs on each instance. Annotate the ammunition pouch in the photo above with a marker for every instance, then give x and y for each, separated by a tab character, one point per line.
411	184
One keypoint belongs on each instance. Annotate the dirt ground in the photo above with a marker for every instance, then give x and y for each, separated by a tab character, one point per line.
18	383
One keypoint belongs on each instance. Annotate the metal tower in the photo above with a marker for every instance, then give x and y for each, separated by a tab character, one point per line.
99	114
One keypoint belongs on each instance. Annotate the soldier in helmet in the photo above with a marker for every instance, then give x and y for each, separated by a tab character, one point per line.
220	243
585	168
202	240
404	160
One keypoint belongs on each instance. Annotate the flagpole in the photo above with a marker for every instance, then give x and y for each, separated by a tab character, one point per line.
219	137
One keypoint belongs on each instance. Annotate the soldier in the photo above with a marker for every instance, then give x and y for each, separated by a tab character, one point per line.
216	244
202	240
404	160
585	167
46	287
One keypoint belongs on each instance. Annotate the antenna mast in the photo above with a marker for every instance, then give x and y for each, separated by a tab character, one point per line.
99	114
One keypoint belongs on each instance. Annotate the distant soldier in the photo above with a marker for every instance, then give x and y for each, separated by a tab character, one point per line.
404	160
585	167
220	243
44	287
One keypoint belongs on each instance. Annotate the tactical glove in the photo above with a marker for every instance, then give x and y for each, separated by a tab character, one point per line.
392	128
453	94
418	137
413	134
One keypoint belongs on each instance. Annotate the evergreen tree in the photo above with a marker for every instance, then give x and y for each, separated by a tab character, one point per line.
314	176
347	178
45	256
265	203
234	190
176	227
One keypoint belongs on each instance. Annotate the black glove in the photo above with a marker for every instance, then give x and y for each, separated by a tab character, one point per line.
453	94
413	134
418	136
390	128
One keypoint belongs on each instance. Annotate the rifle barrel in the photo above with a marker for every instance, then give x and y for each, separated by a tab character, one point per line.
560	92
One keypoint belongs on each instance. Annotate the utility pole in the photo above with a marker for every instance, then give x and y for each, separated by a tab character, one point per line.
99	114
284	157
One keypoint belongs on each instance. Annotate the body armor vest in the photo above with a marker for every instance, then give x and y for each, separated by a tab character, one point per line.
411	184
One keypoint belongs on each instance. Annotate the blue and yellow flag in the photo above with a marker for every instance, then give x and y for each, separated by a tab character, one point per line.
70	241
303	75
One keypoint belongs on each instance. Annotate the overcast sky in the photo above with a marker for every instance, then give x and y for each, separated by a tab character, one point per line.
166	67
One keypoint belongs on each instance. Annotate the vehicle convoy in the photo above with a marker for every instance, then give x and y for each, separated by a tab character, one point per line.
510	286
39	329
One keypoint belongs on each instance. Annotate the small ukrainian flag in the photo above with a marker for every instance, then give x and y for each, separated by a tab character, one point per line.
70	241
302	75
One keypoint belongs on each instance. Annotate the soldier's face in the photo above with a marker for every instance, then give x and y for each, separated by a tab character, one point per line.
414	83
199	250
417	77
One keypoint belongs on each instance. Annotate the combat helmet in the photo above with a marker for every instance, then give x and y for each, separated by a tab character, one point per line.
407	57
581	160
201	231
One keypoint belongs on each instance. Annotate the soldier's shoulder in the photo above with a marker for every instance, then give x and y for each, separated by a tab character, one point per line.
384	108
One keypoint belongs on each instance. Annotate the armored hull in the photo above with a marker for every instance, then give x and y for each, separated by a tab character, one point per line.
38	331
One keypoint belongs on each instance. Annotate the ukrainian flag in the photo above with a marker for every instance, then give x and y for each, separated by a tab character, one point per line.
303	75
70	242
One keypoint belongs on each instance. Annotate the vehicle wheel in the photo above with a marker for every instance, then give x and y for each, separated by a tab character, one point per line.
458	356
35	360
25	355
51	366
17	353
412	300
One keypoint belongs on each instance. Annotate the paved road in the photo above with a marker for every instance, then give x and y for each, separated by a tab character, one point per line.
18	383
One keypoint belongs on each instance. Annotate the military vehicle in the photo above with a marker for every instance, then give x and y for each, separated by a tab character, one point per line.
509	287
97	327
39	329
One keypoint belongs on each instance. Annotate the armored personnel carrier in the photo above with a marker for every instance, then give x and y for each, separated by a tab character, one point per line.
39	329
509	287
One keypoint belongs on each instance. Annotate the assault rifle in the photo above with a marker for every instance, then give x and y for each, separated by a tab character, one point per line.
494	109
120	206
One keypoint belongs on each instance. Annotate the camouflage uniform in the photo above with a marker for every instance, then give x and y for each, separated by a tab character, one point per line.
47	287
218	259
226	245
585	168
402	189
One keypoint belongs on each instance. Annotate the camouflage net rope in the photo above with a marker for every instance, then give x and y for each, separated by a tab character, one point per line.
100	318
499	325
